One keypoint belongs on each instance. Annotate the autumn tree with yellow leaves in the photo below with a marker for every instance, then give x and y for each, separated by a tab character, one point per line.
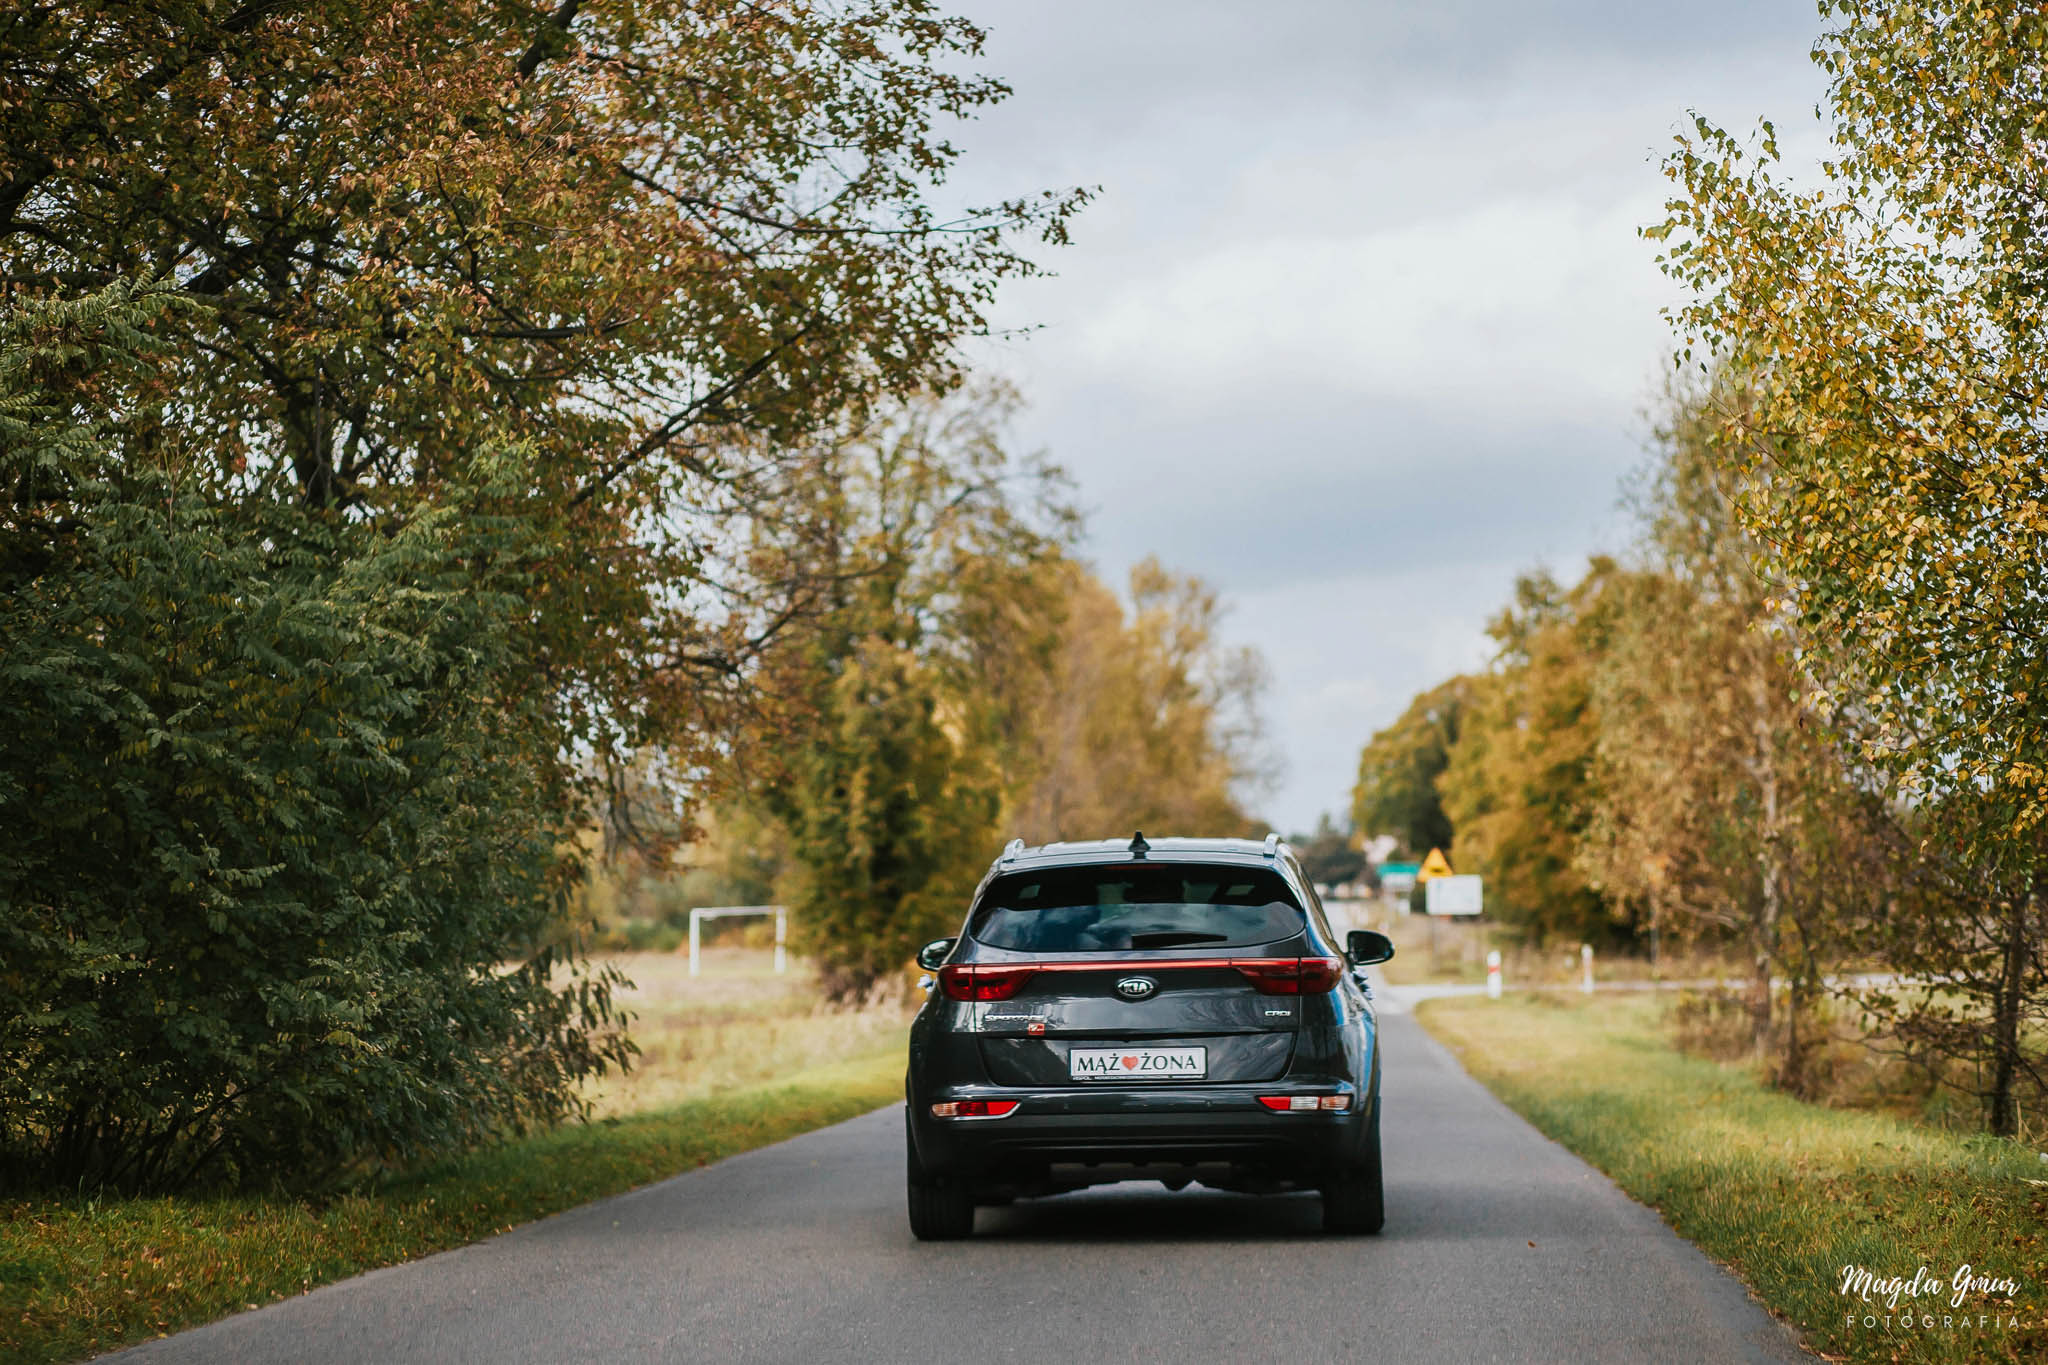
1891	323
1720	806
964	679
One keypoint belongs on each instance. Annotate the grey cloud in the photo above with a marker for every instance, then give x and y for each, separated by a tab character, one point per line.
1099	63
1241	383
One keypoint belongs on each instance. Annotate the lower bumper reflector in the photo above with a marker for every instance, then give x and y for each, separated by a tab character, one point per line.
974	1109
1305	1104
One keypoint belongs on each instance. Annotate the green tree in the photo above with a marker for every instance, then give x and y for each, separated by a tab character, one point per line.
884	757
967	680
890	823
1892	321
1519	785
284	857
662	244
1396	792
666	242
1963	933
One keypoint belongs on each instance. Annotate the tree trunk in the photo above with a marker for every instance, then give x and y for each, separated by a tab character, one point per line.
2005	1014
1789	1077
1802	991
1770	901
1656	924
308	429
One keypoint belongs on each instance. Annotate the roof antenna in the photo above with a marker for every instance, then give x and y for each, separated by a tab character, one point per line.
1139	848
1272	845
1012	849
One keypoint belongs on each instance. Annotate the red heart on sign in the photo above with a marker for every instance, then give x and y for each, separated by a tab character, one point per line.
1130	1063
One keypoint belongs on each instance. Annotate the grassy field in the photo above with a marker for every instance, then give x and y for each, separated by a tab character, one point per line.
1786	1193
735	1059
737	1024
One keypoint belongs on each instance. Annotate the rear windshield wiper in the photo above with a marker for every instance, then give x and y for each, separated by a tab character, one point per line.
1175	938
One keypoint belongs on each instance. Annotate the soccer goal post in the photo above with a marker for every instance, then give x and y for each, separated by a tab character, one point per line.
702	913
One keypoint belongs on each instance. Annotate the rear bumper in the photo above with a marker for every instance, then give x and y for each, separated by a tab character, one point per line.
1072	1137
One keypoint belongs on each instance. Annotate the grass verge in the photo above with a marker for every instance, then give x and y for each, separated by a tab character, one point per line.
82	1277
1787	1194
732	1026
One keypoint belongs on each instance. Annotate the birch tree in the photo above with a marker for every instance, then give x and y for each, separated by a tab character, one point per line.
1893	459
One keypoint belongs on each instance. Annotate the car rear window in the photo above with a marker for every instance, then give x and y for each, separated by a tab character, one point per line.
1120	908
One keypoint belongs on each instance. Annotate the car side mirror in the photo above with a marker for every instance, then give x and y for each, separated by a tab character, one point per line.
932	954
1366	945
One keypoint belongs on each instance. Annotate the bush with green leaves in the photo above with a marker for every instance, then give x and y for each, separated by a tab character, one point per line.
285	820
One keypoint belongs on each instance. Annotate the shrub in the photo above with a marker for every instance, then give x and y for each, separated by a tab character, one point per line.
1713	1024
284	814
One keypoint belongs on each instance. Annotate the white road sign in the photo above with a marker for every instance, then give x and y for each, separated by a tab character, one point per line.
1455	895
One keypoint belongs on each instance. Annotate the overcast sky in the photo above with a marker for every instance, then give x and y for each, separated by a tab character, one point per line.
1359	327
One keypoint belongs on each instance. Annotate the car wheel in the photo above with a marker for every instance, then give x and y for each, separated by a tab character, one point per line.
940	1210
1355	1201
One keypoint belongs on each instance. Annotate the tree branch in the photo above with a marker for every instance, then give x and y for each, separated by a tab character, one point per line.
548	42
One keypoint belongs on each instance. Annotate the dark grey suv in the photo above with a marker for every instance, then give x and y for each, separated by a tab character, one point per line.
1176	1011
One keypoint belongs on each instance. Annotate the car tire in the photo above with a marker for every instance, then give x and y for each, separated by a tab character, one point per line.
1355	1201
940	1210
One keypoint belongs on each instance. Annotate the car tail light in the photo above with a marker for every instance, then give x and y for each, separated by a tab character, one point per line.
1319	974
982	981
974	1109
1305	1104
1291	975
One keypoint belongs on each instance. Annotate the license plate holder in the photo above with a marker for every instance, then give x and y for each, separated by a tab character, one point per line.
1138	1063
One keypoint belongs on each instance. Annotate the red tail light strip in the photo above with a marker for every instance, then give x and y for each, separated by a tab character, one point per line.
983	981
1268	975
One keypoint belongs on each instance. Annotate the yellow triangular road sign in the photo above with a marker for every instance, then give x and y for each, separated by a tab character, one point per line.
1435	865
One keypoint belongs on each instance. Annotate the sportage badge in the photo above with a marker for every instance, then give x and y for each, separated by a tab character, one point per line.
1136	987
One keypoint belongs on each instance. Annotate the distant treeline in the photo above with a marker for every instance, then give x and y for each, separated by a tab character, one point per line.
961	680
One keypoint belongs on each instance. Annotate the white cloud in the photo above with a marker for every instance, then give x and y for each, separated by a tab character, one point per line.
1507	314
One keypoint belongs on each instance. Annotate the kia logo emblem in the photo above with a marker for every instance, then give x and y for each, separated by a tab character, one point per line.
1136	987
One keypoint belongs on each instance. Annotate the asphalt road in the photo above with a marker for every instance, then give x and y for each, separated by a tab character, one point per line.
1499	1245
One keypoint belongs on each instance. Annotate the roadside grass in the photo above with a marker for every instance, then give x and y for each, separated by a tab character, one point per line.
1786	1193
737	1024
78	1277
